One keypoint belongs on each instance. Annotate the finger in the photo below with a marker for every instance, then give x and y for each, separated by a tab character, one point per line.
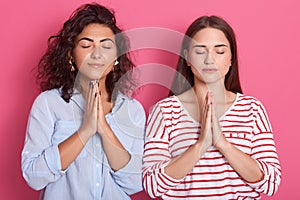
208	118
90	92
96	97
100	106
215	125
204	109
206	104
94	94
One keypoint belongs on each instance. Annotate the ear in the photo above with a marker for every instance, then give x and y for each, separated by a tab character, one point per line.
69	54
185	53
186	56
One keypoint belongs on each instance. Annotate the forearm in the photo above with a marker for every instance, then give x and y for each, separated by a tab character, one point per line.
70	148
116	154
181	165
242	163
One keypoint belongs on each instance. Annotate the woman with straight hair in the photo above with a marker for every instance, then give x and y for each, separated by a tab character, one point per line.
208	140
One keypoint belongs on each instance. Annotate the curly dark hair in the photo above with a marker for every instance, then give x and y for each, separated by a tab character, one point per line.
54	68
184	79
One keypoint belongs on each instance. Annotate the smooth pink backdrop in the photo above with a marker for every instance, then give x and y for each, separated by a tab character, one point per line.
268	42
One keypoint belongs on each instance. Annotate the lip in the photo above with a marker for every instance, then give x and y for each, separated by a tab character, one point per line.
95	65
209	70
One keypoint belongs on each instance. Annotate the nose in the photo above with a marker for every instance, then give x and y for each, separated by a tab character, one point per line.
209	59
96	53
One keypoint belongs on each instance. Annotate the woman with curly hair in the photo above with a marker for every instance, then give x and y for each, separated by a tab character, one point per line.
84	137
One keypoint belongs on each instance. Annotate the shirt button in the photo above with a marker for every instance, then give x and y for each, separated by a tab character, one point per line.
97	184
98	165
97	144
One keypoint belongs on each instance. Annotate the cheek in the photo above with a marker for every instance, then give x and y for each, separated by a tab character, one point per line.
225	65
225	62
196	60
79	60
110	55
79	57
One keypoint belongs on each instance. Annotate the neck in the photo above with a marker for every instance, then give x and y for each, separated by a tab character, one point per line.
83	87
217	88
222	98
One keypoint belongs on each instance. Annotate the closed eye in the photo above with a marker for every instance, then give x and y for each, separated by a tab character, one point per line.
106	47
107	44
85	46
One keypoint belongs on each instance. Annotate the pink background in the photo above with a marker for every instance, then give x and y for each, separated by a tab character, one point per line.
268	41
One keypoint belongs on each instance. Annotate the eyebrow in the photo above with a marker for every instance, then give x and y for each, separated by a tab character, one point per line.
203	46
91	40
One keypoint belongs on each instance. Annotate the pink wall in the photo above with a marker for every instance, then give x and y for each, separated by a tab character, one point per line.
268	40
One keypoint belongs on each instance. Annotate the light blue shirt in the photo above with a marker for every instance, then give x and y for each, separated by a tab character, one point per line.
89	176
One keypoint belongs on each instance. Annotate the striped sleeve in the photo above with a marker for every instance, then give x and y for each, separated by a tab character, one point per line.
156	156
264	152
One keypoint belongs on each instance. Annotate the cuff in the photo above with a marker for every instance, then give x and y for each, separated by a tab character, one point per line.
52	158
170	181
134	166
261	181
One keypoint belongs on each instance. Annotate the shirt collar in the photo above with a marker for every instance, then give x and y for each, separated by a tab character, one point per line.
80	101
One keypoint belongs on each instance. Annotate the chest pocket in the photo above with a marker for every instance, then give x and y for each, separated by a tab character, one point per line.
241	140
63	130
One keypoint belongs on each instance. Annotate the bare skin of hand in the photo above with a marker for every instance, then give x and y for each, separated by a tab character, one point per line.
179	166
242	163
71	147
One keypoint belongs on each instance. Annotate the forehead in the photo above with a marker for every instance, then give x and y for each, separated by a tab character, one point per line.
210	36
95	31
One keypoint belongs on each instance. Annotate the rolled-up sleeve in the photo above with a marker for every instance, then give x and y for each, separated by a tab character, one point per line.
265	154
40	159
131	120
157	156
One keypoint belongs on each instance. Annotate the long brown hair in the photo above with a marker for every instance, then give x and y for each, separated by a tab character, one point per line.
54	68
184	78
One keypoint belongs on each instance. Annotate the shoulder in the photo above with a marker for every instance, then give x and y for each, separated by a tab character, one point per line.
129	102
169	101
44	104
47	96
166	105
128	108
249	100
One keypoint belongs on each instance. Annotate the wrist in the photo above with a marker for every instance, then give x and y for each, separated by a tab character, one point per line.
104	128
201	147
223	145
85	133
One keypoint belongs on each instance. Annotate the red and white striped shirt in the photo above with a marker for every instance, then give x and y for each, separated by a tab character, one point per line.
171	131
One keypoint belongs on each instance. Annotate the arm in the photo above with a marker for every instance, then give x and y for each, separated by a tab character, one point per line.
71	147
128	127
116	154
161	172
40	158
242	163
265	154
261	169
181	165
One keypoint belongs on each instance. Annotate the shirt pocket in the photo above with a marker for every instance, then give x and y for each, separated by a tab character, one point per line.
241	140
65	129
